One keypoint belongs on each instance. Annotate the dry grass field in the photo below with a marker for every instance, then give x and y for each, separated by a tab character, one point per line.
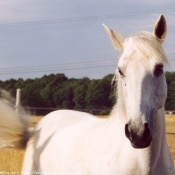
170	129
11	160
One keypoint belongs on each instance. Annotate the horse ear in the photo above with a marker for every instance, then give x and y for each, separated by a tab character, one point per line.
116	38
160	28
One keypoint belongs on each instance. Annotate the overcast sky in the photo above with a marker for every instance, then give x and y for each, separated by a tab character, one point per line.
40	37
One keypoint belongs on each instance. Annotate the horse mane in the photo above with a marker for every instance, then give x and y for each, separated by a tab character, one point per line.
147	46
119	107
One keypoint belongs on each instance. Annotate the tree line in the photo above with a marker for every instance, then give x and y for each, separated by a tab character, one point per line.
61	92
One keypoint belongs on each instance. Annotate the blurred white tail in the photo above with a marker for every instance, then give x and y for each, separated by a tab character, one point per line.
14	128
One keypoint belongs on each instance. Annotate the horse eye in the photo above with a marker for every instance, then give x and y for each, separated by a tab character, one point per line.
121	73
158	70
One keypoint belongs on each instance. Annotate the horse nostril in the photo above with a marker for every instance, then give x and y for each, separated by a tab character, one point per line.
127	133
146	132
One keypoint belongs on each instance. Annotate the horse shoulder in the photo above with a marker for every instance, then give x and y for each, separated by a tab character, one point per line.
69	138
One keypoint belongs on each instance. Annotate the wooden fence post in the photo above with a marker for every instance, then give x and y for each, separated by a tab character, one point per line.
18	101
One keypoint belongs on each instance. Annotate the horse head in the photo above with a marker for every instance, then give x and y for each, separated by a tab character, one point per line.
142	88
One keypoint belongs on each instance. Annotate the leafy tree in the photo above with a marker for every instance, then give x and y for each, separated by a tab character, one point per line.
80	93
94	95
170	102
52	83
47	95
8	85
57	91
63	98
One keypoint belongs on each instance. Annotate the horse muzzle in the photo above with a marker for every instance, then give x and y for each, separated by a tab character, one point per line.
140	137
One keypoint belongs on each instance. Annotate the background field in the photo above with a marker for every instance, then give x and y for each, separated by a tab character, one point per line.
11	160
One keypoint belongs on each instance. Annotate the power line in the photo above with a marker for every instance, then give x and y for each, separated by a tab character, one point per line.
81	19
58	67
53	70
71	63
63	66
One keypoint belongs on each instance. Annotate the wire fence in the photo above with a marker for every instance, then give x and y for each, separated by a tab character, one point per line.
38	111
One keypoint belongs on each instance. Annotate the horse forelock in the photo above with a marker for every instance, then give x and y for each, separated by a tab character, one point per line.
149	47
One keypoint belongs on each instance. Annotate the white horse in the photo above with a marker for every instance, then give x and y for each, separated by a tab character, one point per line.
132	141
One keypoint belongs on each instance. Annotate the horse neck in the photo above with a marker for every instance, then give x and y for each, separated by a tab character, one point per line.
159	144
159	125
